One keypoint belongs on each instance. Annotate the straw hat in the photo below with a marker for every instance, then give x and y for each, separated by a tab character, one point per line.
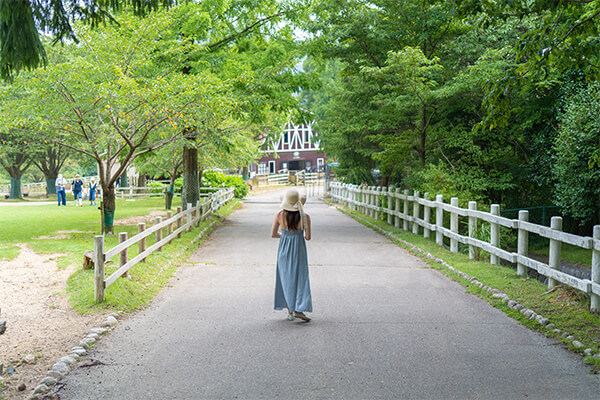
292	201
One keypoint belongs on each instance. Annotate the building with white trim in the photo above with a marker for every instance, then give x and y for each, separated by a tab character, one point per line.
297	149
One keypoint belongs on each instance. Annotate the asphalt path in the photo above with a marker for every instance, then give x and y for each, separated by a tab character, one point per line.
385	326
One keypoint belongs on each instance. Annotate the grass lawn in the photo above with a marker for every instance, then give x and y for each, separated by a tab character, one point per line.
40	227
566	308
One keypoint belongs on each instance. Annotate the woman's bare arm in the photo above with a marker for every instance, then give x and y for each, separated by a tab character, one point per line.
307	235
275	229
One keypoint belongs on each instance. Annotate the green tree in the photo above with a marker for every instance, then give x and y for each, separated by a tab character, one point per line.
15	157
105	98
21	22
576	149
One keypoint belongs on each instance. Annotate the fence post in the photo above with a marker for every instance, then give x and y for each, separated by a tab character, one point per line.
472	228
188	217
397	209
426	217
378	202
347	195
170	226
383	196
554	250
364	199
454	225
439	220
123	255
416	212
198	212
178	224
405	211
99	268
158	234
367	200
523	242
141	242
494	233
390	202
594	298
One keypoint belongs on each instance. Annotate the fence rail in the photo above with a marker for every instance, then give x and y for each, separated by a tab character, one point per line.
370	201
183	221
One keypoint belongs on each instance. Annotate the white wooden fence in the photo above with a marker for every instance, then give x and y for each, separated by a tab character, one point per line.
183	221
279	179
413	212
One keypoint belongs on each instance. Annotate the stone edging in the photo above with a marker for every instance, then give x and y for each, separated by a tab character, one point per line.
64	366
496	293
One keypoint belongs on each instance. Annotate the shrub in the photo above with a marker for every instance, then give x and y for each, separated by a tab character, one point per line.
159	187
218	179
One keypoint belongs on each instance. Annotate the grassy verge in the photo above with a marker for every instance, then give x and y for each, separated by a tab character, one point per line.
69	231
8	252
145	278
566	308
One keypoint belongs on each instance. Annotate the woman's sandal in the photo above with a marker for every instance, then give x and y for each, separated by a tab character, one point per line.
290	317
301	316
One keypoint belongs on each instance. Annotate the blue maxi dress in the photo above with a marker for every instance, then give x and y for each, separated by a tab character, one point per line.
292	286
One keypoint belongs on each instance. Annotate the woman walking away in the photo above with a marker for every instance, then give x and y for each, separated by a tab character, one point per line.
93	187
292	286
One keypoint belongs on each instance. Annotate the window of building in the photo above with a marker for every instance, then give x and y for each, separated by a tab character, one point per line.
262	169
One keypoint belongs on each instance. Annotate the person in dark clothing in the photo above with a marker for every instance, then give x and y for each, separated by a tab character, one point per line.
93	189
76	188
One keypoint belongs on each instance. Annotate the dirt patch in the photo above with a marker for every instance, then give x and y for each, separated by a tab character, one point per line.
147	219
61	236
564	294
39	319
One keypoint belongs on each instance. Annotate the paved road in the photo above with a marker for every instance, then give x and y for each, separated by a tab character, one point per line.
385	327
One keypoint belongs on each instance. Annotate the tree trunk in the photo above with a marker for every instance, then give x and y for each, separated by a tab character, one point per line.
51	185
124	179
191	179
15	188
109	205
141	183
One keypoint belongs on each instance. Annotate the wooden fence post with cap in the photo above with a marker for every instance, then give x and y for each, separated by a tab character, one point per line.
405	211
170	226
472	228
390	203
397	208
142	242
494	233
383	197
99	268
123	254
179	221
188	218
554	250
522	242
454	225
416	212
158	234
426	217
594	298
370	211
198	212
439	220
378	202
